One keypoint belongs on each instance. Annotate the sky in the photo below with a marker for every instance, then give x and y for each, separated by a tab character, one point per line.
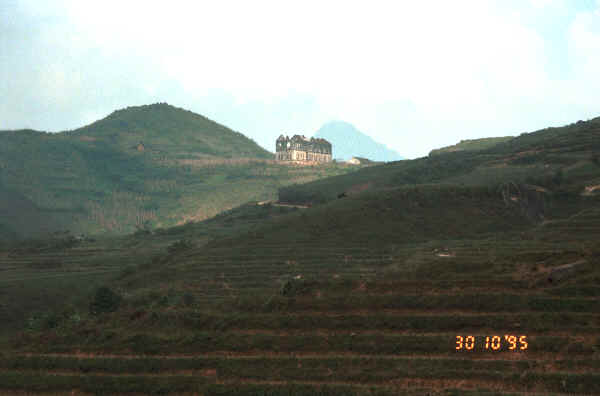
414	75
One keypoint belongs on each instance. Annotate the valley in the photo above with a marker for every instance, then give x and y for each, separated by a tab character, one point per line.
412	282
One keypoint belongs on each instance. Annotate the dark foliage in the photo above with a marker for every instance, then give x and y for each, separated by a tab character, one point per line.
180	246
105	300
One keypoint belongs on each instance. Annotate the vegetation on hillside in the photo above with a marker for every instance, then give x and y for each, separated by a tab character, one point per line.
565	157
471	273
169	131
472	145
98	179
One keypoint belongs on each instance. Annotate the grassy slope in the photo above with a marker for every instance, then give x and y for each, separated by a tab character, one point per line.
389	277
542	158
217	318
56	275
19	214
94	180
171	131
472	145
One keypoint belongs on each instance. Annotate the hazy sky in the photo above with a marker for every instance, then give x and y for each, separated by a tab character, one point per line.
414	75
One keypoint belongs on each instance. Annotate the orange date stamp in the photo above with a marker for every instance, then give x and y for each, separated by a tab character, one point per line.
492	343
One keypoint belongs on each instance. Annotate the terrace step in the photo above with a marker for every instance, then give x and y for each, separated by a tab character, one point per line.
483	344
301	380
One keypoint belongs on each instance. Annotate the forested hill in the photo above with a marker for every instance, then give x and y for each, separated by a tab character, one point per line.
145	166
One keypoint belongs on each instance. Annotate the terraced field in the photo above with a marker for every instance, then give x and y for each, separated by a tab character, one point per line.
416	289
35	281
329	320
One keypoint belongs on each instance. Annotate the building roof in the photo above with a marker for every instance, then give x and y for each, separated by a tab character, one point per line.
304	140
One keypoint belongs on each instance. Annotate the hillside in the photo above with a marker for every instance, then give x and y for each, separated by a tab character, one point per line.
348	142
466	273
548	158
169	131
472	145
99	179
17	214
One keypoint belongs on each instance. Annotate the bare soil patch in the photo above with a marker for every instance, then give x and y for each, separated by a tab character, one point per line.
590	190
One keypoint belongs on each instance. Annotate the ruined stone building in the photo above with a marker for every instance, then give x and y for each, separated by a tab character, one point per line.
299	148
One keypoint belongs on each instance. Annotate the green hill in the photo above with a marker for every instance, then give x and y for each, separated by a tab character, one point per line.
18	214
466	273
169	131
472	144
548	157
100	179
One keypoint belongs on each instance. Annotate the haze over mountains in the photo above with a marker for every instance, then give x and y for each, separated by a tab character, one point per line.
348	142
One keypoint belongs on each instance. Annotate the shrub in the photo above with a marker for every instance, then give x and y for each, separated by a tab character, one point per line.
127	271
180	246
558	177
52	320
43	321
163	301
188	299
105	300
295	286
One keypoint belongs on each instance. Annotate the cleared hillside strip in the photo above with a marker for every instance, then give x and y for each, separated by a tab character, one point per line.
466	302
367	373
123	384
389	321
564	363
269	363
197	342
61	274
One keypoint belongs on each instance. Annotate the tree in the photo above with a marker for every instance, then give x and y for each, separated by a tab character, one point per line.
105	300
558	177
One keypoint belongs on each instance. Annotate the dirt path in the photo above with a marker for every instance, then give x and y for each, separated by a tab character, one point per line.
273	203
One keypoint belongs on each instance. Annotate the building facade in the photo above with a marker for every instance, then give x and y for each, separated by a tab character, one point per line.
299	148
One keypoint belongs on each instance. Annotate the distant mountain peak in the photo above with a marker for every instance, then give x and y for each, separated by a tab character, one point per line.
348	142
338	123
